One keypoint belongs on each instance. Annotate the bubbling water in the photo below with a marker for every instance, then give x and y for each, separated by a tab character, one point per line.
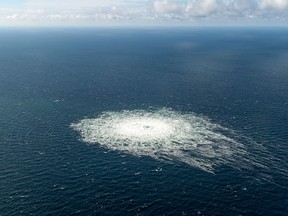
144	128
165	134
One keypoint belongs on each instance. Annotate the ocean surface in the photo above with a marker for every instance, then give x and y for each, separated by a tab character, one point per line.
220	79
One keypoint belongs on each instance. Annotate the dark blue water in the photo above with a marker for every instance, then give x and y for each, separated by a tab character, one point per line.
50	78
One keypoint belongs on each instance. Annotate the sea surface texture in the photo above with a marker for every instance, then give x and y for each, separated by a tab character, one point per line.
143	121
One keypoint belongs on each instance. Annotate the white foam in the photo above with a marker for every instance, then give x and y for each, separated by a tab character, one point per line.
143	128
164	134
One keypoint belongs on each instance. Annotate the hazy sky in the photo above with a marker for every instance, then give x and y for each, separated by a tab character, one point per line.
143	12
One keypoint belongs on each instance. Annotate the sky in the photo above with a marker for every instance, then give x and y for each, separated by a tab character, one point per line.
143	12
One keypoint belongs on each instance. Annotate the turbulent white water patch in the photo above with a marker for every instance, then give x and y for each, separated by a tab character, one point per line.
165	134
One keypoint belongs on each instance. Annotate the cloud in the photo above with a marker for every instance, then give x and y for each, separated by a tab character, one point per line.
134	12
164	6
12	17
80	3
203	8
207	9
274	4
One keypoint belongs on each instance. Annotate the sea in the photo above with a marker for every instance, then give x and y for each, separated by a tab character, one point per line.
233	77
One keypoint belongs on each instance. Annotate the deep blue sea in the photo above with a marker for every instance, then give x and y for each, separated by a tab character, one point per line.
53	77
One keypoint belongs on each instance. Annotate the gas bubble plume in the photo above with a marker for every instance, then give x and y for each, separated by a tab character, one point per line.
167	135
